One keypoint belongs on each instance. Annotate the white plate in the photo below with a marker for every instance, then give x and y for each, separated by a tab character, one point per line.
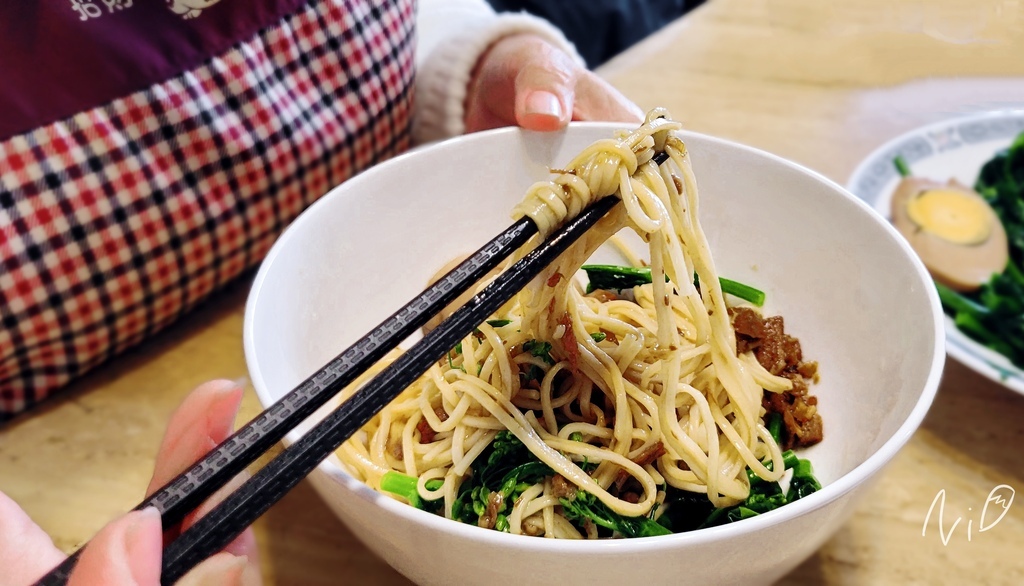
957	149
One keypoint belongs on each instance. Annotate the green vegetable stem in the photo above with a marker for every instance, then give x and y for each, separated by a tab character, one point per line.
901	166
614	277
405	486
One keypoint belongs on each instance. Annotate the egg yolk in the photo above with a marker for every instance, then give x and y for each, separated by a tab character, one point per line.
951	215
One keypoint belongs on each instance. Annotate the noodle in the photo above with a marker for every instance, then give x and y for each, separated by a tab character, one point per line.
658	374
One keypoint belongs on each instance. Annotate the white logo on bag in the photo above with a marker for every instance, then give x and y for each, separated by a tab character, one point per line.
190	8
87	9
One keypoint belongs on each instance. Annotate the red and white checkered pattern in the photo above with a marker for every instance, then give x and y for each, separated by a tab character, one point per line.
118	220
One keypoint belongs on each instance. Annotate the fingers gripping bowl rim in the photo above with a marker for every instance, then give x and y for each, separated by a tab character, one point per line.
284	342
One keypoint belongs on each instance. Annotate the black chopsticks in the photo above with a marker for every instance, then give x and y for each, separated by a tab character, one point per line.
225	522
183	494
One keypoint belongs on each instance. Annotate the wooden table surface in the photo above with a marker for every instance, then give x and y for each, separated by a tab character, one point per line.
821	82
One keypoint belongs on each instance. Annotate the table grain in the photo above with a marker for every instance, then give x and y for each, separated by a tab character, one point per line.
820	82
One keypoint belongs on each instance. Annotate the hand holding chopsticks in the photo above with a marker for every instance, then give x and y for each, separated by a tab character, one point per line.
267	486
128	550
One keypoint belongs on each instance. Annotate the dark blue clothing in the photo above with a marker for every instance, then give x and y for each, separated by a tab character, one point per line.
602	29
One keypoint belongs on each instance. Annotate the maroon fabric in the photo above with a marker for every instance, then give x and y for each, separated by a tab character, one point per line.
59	57
119	219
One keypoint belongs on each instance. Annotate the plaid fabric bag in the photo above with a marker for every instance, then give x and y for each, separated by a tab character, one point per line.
118	219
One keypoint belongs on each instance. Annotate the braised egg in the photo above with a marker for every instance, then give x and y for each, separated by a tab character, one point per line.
953	229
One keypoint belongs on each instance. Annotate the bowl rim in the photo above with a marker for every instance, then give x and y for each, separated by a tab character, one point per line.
827	495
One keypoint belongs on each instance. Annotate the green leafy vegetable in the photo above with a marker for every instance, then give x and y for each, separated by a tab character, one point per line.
598	336
539	349
1001	183
585	506
497	323
803	482
774	425
767	497
507	467
532	373
994	315
686	511
614	277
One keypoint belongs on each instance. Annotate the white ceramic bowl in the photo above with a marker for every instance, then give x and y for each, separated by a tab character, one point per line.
849	287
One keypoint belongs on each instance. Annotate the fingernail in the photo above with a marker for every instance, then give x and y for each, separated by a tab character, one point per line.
143	542
222	386
544	103
223	408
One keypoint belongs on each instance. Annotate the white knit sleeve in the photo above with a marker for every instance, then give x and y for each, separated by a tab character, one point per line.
451	36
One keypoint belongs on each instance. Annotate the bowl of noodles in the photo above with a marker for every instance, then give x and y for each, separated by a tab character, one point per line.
694	392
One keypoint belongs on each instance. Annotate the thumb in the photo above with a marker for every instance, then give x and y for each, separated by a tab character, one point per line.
26	552
545	89
126	552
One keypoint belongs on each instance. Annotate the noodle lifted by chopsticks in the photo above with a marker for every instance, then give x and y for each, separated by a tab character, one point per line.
650	390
